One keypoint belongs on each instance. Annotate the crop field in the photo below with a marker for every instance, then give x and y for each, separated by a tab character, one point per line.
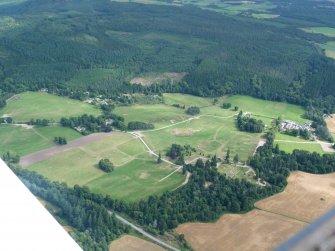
251	231
31	140
39	105
277	218
329	49
306	197
327	31
136	174
132	243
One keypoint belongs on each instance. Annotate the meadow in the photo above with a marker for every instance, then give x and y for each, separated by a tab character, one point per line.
22	141
40	105
136	173
288	143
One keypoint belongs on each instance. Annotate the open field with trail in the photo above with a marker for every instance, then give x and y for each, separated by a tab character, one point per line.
22	141
136	173
306	198
132	243
39	105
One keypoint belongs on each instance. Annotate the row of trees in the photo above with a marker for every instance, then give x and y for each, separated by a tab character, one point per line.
137	125
39	122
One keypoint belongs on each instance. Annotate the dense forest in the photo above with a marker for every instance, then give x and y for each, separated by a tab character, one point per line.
102	44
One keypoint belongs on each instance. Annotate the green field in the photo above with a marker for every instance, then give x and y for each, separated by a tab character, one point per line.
327	31
158	114
23	141
297	143
135	177
329	49
137	174
268	109
40	105
289	147
209	135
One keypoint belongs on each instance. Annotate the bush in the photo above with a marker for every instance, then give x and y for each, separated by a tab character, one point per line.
193	110
106	165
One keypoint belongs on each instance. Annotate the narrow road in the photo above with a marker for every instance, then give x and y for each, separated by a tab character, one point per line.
146	234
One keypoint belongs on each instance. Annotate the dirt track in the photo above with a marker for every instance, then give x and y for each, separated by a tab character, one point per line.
44	154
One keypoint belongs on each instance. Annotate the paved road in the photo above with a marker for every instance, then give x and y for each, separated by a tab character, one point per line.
146	234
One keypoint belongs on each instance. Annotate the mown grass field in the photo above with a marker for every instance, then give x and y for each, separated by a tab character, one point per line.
39	105
158	114
136	173
22	141
268	109
209	135
296	143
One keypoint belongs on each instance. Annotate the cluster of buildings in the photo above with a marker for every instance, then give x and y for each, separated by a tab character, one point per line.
98	100
290	125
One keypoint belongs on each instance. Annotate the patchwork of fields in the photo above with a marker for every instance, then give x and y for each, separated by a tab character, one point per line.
136	174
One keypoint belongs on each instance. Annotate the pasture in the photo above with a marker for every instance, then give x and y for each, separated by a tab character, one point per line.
132	243
22	141
276	218
209	135
39	105
136	173
158	114
288	143
265	109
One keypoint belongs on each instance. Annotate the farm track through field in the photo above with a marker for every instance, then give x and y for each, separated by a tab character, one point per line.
47	153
